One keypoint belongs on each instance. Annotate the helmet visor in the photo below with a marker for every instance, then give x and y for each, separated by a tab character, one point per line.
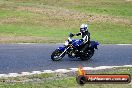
82	29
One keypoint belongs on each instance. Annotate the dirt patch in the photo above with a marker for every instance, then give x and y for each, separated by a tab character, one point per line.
10	20
57	16
65	14
128	0
26	39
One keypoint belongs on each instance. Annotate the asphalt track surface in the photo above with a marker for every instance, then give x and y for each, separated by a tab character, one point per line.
36	57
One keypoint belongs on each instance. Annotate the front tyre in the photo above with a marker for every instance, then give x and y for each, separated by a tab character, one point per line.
55	55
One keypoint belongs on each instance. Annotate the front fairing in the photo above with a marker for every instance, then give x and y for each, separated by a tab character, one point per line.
75	43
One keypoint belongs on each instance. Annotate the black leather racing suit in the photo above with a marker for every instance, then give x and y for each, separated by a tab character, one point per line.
85	39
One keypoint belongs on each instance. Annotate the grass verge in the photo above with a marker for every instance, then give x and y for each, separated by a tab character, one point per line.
51	21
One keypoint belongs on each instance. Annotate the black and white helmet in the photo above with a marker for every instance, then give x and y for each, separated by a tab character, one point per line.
83	28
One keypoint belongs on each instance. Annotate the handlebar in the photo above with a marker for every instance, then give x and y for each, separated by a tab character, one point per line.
70	39
71	35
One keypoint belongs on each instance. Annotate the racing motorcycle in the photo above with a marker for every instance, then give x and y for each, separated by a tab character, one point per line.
72	48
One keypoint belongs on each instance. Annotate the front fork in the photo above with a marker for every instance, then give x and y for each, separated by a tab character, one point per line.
64	51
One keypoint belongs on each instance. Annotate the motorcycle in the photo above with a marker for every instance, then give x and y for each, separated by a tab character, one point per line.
72	48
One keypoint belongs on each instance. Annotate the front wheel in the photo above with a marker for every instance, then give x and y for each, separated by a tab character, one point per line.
55	55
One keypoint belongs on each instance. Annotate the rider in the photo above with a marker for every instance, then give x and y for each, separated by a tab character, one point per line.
85	36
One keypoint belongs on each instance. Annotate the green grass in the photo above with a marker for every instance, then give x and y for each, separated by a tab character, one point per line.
109	20
109	33
63	81
109	7
121	34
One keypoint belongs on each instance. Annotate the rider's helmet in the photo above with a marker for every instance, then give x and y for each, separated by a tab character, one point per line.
83	28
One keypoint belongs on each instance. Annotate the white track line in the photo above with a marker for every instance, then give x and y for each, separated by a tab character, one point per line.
123	44
59	71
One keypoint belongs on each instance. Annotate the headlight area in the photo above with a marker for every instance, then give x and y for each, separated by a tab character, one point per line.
66	43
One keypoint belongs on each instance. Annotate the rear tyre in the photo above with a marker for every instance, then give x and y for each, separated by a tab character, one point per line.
87	55
55	55
90	53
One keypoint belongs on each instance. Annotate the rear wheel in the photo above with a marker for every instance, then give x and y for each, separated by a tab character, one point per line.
87	55
55	55
90	53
